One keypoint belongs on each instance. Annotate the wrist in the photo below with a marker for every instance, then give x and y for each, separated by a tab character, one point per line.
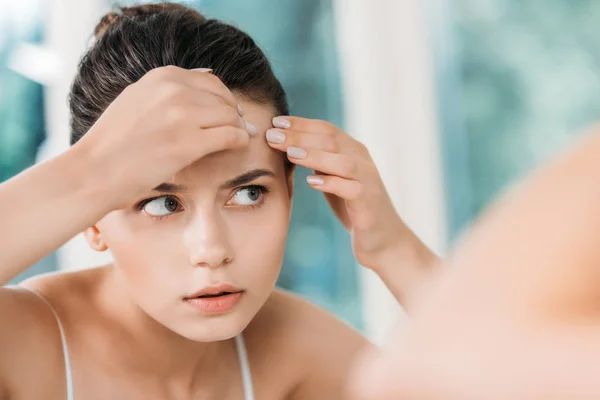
91	177
405	251
407	257
406	268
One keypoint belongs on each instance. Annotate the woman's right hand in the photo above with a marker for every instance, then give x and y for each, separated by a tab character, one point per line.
157	126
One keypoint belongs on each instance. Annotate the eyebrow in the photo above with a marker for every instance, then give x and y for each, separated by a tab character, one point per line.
170	188
246	177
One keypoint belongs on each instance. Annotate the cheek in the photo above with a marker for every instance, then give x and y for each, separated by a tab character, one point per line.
140	248
259	241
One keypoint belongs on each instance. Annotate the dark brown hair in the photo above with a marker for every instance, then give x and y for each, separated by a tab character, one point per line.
134	40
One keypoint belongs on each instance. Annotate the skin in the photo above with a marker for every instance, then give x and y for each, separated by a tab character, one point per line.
130	334
346	174
519	305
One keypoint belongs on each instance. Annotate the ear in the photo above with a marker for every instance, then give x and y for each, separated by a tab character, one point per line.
94	239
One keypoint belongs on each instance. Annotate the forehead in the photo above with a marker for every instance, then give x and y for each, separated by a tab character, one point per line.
224	165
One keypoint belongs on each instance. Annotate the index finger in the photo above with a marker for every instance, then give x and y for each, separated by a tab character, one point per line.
305	125
209	82
346	143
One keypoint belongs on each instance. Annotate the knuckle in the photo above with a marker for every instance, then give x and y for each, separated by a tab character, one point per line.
230	116
232	137
331	145
348	167
226	93
171	91
176	113
217	84
212	78
362	148
357	191
371	168
162	73
328	128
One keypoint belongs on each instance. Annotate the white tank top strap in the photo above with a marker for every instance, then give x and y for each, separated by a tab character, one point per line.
63	338
245	367
239	343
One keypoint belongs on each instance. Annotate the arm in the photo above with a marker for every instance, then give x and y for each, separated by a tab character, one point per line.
112	166
518	305
45	206
347	175
115	162
407	268
41	209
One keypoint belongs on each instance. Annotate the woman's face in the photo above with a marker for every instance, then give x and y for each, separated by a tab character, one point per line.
219	225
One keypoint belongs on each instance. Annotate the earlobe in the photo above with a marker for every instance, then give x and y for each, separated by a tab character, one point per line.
94	239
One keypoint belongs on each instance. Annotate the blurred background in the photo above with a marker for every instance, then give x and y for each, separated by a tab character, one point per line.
456	99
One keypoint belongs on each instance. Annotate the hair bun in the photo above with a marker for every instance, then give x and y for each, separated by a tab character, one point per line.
142	11
107	21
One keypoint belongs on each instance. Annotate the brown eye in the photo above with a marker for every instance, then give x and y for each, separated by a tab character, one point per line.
161	206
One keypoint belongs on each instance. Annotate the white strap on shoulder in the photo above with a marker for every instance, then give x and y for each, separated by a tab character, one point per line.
63	339
245	367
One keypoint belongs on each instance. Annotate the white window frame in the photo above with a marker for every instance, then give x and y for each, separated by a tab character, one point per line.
388	87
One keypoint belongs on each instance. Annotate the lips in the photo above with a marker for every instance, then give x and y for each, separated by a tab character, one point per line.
216	299
214	291
214	295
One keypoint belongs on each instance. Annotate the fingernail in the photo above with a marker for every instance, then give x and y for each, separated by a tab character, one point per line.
296	152
251	129
314	180
280	122
209	70
274	136
240	110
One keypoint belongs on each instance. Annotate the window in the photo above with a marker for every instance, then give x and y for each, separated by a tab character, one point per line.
523	80
22	128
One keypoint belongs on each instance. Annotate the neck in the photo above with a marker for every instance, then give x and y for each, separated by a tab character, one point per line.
148	347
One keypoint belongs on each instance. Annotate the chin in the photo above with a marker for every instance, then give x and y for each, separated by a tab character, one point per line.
214	328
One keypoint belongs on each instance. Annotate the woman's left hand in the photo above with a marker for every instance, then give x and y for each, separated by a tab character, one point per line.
346	174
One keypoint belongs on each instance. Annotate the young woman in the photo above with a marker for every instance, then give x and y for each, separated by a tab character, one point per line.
185	175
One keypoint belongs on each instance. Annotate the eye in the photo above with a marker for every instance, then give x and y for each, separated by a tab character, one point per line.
161	206
249	196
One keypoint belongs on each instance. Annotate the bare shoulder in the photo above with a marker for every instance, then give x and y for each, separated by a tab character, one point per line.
59	288
30	345
314	344
30	341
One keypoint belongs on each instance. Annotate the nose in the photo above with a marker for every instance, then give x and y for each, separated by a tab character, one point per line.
206	239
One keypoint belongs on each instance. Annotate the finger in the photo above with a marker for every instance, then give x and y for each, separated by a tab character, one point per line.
197	79
221	138
212	116
329	163
346	189
209	82
344	141
205	103
282	139
306	125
